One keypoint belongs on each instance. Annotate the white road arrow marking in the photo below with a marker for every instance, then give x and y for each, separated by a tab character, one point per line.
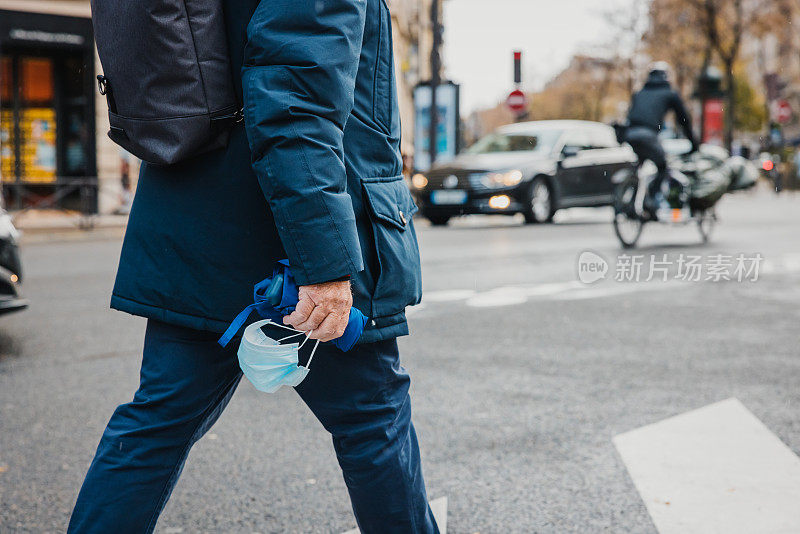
714	470
439	509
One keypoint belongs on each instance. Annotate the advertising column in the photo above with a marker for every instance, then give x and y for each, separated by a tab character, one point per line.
447	103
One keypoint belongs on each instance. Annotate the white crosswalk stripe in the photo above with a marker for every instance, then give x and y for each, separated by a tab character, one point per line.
714	470
513	295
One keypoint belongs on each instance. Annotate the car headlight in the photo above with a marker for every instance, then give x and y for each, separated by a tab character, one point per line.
502	179
419	181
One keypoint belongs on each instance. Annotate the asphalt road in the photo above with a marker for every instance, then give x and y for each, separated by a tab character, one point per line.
521	377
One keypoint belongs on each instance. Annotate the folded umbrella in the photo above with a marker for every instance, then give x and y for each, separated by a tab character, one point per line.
277	296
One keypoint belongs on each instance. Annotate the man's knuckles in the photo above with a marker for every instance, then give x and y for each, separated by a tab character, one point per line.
334	305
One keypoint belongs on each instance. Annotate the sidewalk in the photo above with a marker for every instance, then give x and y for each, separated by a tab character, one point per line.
58	225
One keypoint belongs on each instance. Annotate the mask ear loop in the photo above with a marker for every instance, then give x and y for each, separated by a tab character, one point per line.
308	363
273	323
290	337
299	332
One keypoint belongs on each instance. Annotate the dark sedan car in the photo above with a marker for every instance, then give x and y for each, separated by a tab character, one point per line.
10	268
533	168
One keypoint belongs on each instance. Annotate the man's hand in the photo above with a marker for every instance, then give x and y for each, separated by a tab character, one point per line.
323	308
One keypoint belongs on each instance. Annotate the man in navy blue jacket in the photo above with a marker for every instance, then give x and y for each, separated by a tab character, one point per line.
313	175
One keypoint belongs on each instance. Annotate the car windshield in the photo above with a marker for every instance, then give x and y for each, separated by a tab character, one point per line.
541	141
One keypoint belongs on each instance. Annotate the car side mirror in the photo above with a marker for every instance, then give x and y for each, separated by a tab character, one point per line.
569	152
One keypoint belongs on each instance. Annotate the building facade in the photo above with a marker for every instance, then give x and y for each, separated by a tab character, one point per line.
413	40
53	145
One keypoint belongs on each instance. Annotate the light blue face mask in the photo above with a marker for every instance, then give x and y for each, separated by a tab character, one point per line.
267	363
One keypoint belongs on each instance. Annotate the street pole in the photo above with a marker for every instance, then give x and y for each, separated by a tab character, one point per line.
521	115
435	79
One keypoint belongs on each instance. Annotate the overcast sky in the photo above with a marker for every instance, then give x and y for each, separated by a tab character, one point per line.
480	36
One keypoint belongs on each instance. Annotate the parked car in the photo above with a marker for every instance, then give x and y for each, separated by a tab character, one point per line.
533	168
10	267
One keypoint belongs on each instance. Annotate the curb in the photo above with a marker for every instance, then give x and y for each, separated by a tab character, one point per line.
69	227
56	235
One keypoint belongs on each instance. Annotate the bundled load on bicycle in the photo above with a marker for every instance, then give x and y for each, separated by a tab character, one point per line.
694	182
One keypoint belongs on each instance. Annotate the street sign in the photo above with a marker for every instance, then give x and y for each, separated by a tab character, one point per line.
517	102
782	111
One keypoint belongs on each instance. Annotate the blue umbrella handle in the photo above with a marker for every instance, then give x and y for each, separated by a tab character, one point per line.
274	292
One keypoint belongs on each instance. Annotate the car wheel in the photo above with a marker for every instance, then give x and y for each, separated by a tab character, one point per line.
539	207
438	220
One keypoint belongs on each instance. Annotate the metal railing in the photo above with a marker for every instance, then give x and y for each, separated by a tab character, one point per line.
87	188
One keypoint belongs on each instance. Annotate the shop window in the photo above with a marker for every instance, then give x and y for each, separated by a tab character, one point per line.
72	121
37	80
6	87
37	121
7	159
47	122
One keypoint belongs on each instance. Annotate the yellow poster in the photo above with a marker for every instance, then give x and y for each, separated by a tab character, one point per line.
6	145
38	150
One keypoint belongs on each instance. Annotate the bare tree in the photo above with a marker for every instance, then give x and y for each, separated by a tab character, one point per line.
672	36
626	44
694	34
776	19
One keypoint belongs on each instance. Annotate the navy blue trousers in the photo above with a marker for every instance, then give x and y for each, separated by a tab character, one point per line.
360	397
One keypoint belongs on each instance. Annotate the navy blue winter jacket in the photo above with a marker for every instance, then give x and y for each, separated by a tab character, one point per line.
313	175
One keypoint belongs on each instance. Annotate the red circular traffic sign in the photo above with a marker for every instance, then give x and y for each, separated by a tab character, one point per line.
782	111
517	102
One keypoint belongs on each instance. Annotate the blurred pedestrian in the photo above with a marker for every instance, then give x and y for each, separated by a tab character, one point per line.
324	190
126	193
649	108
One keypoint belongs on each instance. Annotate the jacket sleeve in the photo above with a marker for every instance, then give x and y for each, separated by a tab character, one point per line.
298	81
682	117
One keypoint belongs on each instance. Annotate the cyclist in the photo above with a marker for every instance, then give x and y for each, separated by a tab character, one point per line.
646	116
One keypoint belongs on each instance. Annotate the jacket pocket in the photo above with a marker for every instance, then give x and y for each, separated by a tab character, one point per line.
383	93
399	280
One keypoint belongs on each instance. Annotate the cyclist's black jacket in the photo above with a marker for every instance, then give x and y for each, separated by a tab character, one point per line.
650	105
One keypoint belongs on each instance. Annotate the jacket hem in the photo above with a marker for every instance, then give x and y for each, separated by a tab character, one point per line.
382	328
165	315
378	329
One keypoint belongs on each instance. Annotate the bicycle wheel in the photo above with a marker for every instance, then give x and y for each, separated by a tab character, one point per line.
628	225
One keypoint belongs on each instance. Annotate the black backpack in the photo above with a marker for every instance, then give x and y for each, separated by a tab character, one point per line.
167	76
